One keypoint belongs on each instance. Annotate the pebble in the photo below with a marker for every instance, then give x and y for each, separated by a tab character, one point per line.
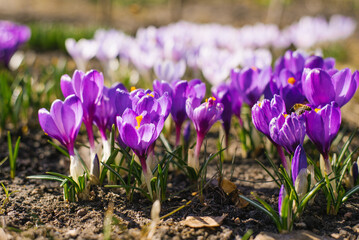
335	235
82	212
301	225
348	215
356	228
72	233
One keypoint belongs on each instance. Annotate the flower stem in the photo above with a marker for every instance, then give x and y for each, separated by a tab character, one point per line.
282	156
178	135
194	163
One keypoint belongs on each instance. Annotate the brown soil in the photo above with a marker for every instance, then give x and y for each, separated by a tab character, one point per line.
36	209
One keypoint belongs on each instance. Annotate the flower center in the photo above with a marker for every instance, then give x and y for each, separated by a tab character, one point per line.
210	101
317	110
291	80
254	68
285	115
148	94
139	120
133	88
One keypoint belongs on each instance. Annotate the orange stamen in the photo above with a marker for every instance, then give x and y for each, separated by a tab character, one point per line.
133	88
291	80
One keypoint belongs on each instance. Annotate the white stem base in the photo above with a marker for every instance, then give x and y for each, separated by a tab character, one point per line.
76	169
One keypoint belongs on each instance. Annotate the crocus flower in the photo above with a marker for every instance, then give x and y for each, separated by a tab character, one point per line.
321	87
262	113
139	128
203	117
179	91
106	112
81	51
322	127
63	123
223	95
88	88
288	131
12	36
289	87
236	104
169	71
251	83
292	61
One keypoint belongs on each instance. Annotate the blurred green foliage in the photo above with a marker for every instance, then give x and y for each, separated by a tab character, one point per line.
52	36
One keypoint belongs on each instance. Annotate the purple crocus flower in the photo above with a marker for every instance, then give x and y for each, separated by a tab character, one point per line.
322	127
179	91
169	71
203	117
223	95
262	113
292	61
250	83
12	36
318	62
321	87
106	111
288	131
299	161
63	123
88	88
81	51
140	127
289	87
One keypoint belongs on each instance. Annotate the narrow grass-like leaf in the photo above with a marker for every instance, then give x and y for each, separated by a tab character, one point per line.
109	161
270	174
345	148
46	177
349	193
275	217
68	178
165	142
60	149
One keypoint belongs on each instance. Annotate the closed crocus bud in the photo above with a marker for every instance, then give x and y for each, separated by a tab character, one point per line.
288	131
355	172
169	71
81	51
281	197
322	127
223	95
63	123
299	162
203	117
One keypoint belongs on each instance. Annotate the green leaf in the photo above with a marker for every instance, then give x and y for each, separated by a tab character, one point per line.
46	177
346	165
311	194
109	161
274	217
60	149
115	173
68	178
165	142
270	174
349	193
345	148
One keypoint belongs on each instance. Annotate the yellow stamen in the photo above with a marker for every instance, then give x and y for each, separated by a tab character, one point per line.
260	104
291	80
213	98
285	115
254	68
133	88
139	119
317	110
150	95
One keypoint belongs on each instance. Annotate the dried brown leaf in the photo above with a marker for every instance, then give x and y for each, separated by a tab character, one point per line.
207	221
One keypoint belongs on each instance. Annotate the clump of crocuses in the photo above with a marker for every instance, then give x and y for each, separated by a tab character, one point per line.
12	36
